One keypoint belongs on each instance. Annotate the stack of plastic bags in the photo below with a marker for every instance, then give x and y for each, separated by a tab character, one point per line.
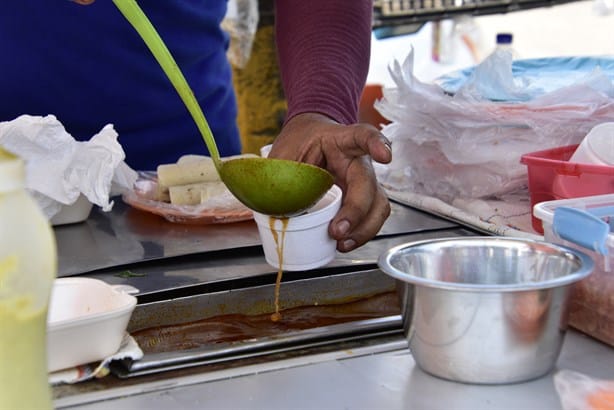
463	135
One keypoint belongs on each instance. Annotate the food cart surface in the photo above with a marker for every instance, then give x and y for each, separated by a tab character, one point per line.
386	380
376	372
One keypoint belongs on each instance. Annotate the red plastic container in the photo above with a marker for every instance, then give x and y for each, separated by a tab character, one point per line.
366	111
552	176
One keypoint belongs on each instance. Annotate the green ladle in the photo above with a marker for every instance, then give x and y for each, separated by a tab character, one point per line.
269	186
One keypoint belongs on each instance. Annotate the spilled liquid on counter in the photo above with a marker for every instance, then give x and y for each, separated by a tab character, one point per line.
245	328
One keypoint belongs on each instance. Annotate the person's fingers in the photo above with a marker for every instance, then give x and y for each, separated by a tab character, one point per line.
359	191
370	224
316	139
363	139
84	2
347	151
380	149
364	209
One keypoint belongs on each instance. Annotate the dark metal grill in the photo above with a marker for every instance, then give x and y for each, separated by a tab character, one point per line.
396	17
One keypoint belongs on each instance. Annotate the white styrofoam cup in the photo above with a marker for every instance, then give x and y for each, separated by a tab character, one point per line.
306	243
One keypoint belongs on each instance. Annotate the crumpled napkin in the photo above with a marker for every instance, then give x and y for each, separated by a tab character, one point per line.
128	349
59	169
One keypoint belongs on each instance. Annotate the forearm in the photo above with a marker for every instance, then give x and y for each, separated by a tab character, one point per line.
323	49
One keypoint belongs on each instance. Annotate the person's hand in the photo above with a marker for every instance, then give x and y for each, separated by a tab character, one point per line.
346	152
84	2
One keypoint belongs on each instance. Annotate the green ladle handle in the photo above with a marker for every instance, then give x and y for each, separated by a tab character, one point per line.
133	13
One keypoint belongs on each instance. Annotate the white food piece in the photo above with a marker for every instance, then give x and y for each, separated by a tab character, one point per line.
240	156
161	194
192	157
187	172
212	190
193	179
194	194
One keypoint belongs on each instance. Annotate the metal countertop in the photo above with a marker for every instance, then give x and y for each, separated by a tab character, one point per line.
126	236
379	377
383	375
132	247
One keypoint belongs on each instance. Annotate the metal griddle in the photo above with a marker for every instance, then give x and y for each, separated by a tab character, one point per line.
327	289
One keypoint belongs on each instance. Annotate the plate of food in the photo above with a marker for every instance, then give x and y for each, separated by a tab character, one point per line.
188	191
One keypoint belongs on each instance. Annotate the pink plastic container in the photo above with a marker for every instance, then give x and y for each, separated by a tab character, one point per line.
552	176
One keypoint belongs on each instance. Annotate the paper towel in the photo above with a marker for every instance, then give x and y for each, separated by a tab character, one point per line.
59	169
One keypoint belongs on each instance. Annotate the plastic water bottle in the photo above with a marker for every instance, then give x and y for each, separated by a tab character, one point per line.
505	43
28	266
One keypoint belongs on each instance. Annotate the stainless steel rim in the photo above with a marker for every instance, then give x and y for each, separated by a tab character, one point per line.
587	266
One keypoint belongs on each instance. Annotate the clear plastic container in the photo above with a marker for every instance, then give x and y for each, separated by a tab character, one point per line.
28	265
586	224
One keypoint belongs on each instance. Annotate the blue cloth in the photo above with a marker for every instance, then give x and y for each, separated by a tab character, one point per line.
87	66
535	76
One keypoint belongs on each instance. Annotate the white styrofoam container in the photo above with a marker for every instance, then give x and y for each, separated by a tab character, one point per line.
77	212
87	320
587	226
303	239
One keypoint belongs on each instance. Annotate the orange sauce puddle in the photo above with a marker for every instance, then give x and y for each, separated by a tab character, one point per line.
246	327
279	245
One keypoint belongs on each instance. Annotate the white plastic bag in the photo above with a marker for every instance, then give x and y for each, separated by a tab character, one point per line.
578	391
241	23
467	145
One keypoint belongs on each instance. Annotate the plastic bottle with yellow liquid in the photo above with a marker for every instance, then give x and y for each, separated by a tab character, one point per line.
28	266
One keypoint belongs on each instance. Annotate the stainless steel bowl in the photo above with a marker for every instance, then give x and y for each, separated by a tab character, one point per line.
485	310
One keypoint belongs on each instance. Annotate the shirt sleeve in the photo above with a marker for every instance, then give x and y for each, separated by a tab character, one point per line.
324	50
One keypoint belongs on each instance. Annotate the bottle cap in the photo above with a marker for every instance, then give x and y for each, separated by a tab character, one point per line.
12	172
504	38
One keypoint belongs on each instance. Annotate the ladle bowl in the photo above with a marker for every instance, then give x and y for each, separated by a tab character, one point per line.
269	186
275	187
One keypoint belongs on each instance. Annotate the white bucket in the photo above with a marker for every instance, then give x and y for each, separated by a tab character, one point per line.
597	147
